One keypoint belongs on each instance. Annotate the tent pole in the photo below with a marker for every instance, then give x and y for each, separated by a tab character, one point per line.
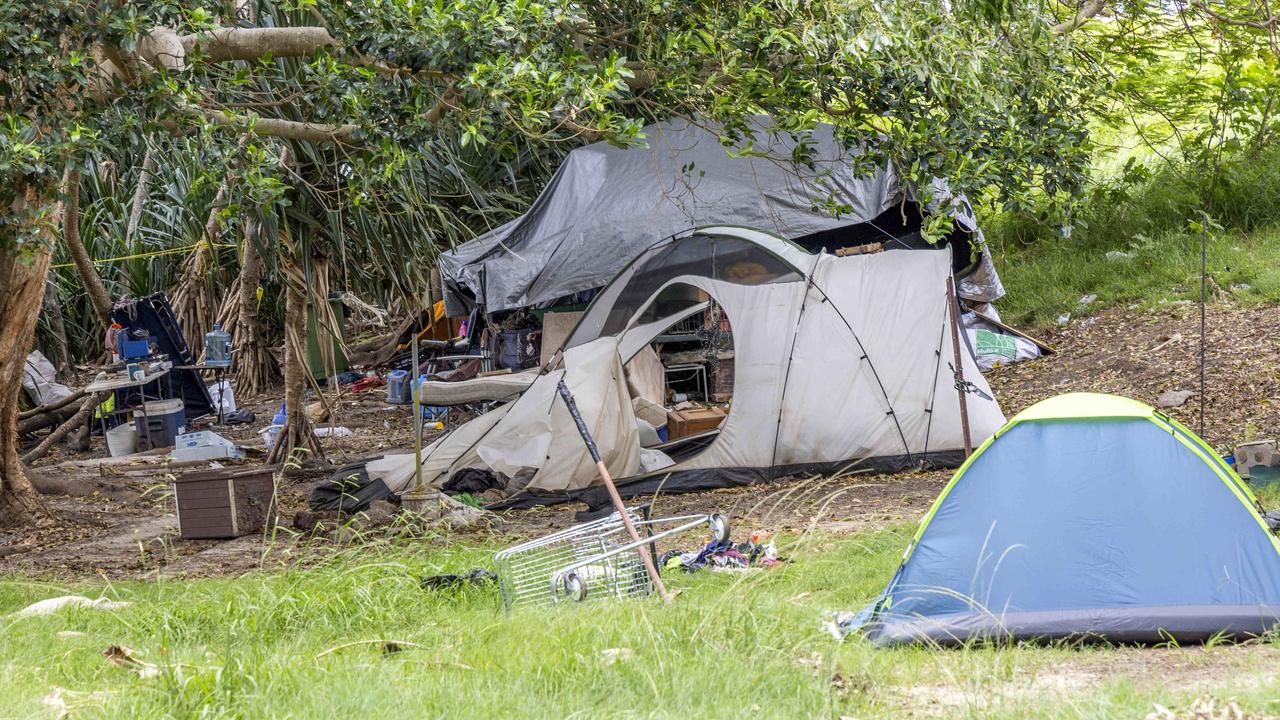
954	311
645	557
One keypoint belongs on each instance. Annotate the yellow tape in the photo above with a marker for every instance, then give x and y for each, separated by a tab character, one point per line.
154	253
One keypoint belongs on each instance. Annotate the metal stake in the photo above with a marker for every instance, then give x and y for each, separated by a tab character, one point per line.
954	311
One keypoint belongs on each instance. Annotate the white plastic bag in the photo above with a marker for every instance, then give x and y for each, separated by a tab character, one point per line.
223	396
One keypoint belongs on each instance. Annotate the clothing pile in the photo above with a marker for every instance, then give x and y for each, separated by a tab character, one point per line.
723	556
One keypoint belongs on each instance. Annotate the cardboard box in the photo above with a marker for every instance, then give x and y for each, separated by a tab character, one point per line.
204	438
683	423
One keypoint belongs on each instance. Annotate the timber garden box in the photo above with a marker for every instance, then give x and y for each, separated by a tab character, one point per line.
225	503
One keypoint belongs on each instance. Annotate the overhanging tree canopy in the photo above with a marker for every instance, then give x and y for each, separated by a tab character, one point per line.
986	102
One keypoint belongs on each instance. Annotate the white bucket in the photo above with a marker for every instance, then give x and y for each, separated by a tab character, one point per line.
122	440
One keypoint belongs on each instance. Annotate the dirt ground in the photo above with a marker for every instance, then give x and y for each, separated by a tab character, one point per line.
126	529
1198	670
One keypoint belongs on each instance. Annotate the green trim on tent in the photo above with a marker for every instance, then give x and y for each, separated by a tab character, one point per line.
1082	406
1213	454
1098	406
1245	499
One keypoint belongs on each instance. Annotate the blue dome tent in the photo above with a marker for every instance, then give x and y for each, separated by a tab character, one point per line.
1086	516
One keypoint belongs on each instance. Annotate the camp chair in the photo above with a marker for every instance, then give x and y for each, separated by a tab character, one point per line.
445	354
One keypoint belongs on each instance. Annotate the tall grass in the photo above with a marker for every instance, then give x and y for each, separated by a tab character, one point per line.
1135	242
732	645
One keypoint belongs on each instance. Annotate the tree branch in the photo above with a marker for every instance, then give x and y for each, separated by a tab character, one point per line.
1266	24
93	285
228	44
275	127
1088	11
643	77
163	47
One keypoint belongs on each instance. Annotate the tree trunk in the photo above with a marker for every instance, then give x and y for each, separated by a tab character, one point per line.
190	297
58	351
140	195
297	432
256	368
22	283
84	264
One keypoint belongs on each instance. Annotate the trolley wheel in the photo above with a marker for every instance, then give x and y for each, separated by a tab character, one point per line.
144	444
719	527
575	587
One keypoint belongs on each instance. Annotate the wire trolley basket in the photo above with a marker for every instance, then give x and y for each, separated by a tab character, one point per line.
590	561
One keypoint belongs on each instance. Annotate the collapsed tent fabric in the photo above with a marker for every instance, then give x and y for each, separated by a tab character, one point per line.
839	363
532	440
1087	516
606	204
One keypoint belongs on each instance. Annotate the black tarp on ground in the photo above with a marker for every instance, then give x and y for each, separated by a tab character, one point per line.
348	490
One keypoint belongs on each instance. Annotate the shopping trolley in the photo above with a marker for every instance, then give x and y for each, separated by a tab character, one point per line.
592	560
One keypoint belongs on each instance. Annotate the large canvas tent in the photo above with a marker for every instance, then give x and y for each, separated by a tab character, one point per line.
1086	516
606	204
840	362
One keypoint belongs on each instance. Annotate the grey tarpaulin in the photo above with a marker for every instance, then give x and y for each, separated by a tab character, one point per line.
606	204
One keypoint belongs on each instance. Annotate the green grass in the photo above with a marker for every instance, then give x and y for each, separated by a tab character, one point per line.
1048	279
746	645
1150	214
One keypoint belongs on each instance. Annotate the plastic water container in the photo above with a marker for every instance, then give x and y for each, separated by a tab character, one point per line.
399	387
161	424
122	440
217	347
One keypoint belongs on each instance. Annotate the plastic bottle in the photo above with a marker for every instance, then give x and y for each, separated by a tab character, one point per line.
113	341
280	417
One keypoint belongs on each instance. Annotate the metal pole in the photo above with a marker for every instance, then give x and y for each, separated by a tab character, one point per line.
417	417
954	311
1204	281
647	558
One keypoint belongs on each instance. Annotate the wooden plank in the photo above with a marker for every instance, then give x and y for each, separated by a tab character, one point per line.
867	249
222	474
556	327
204	523
208	534
200	493
200	486
194	514
196	526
